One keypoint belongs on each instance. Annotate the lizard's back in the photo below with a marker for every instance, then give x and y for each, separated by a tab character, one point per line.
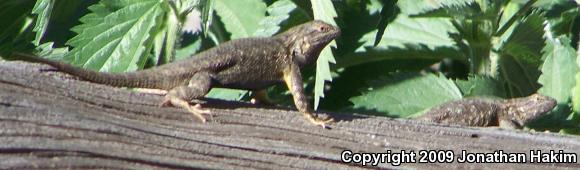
466	112
234	64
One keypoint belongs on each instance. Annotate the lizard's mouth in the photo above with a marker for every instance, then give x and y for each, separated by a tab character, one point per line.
327	37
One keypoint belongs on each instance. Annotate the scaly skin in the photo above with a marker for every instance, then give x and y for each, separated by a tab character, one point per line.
249	63
478	111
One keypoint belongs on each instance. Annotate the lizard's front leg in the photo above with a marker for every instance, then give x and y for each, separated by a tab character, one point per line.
293	80
180	96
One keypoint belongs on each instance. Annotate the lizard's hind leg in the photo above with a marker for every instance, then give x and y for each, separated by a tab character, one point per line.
180	96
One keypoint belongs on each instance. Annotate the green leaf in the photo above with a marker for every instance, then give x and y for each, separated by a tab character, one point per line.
159	40
406	38
576	90
226	94
345	85
423	6
278	12
47	50
185	7
457	10
189	50
525	41
238	20
116	36
405	94
564	23
558	69
13	34
323	10
172	36
323	74
207	15
388	14
409	51
521	77
481	86
42	9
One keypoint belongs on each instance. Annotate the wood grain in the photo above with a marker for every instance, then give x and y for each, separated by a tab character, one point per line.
52	120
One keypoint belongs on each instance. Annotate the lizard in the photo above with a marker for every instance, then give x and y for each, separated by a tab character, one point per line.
481	111
247	63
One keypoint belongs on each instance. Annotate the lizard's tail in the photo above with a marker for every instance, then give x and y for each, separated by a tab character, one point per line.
137	79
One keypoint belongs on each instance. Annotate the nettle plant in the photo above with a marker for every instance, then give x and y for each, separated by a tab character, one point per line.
508	49
394	58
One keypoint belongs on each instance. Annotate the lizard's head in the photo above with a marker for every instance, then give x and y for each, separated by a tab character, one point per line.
307	40
526	109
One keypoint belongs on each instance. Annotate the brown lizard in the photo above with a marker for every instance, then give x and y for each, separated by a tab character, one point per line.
479	111
248	63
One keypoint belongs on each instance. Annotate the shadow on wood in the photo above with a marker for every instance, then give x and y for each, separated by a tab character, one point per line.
52	120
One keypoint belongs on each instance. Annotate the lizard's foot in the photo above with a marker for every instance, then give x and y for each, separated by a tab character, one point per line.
196	110
317	120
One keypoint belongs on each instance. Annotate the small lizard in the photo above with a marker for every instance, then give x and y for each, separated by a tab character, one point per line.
248	63
478	111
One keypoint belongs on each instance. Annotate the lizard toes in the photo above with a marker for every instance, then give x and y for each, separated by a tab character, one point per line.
198	112
318	121
201	110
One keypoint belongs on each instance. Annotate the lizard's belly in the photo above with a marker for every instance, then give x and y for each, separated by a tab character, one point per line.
247	81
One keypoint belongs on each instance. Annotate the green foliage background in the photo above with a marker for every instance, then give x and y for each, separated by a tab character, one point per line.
394	58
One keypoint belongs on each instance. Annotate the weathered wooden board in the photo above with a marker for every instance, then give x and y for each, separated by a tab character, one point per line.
52	120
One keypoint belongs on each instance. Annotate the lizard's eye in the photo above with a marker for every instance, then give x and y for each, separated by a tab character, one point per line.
323	29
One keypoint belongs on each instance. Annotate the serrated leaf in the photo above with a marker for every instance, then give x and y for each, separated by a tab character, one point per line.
388	14
186	6
172	35
520	76
409	51
42	9
460	10
481	86
159	40
278	12
564	23
576	90
47	50
406	38
405	94
557	72
238	19
192	23
117	42
558	69
207	15
404	30
323	10
525	41
349	79
189	17
422	6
